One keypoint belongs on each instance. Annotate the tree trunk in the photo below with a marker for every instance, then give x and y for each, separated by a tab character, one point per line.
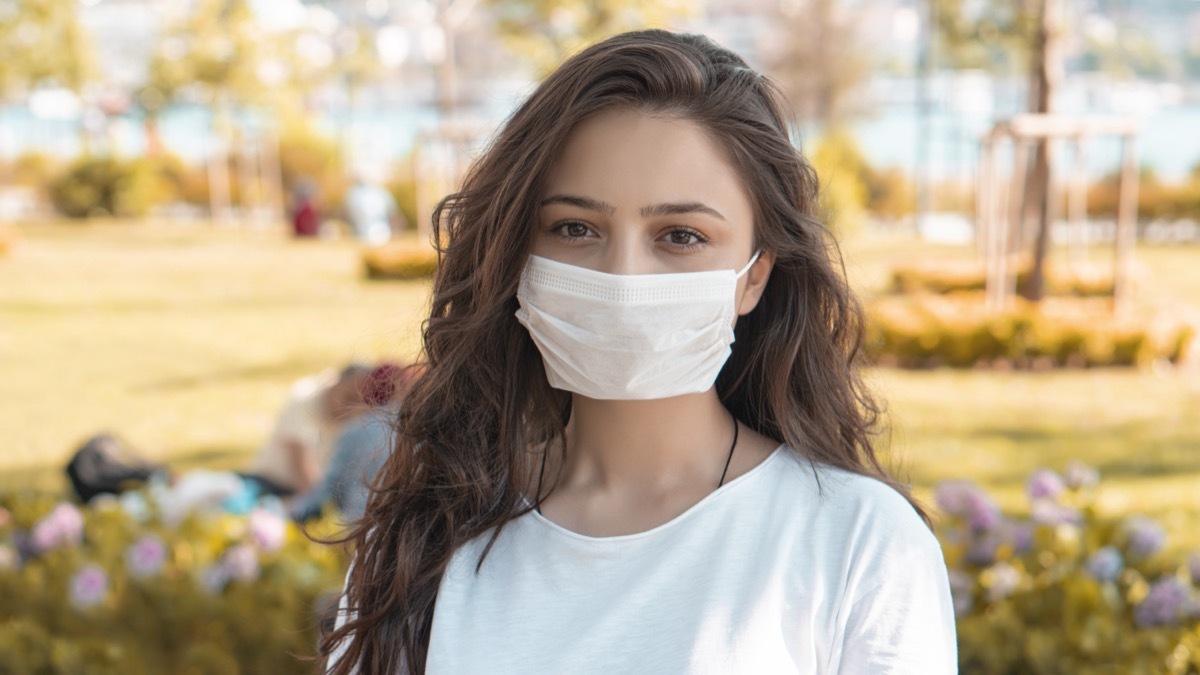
218	166
1047	72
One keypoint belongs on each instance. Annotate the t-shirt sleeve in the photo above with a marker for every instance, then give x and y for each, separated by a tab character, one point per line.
343	615
904	623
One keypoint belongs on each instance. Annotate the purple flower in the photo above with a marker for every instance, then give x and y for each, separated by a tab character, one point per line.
88	586
1044	484
1166	603
146	556
1079	476
1143	537
1105	564
240	563
1021	537
963	499
267	530
962	592
1004	580
982	550
1052	513
63	526
951	496
213	579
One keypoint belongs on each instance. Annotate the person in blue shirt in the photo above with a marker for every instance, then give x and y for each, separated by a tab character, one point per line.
360	450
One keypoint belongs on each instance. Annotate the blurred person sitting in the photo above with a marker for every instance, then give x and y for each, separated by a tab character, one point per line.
104	464
306	219
296	453
360	450
371	211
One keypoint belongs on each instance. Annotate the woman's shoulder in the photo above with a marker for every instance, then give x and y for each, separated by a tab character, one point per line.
860	506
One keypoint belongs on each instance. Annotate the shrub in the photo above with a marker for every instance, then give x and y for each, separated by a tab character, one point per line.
106	186
403	187
956	330
841	168
1064	590
116	588
953	276
890	193
399	261
1156	199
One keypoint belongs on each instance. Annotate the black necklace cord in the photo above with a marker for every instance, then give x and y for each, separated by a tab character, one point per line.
731	447
538	504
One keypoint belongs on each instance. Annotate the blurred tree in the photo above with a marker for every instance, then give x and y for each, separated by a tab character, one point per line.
544	32
820	60
212	54
992	34
42	43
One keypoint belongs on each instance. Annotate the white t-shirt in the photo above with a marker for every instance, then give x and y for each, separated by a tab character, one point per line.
768	574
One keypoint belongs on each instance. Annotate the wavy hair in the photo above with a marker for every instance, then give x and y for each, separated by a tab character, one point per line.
473	429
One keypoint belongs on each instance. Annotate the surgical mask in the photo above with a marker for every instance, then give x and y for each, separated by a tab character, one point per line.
629	336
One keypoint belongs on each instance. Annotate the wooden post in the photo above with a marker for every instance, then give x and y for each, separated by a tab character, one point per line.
1077	203
984	190
1015	225
1126	226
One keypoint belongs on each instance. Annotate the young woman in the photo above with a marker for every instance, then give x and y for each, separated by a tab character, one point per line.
593	476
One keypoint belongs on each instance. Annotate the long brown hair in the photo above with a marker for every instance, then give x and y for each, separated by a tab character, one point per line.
472	429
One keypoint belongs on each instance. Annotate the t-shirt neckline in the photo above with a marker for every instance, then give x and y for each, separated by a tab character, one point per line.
694	508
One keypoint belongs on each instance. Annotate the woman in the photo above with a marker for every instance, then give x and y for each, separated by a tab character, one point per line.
587	479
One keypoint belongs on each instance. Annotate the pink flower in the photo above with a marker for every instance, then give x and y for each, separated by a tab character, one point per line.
88	586
63	526
240	562
1045	484
146	556
1079	476
267	530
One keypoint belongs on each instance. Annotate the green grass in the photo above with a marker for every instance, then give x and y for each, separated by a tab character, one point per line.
185	339
182	338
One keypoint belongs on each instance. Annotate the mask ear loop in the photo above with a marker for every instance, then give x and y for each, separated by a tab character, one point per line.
753	259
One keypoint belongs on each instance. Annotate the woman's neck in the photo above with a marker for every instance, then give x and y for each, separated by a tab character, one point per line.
646	446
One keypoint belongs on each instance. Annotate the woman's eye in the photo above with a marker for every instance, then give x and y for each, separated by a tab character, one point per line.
572	229
686	238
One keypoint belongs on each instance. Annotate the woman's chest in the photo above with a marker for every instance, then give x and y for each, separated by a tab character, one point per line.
682	607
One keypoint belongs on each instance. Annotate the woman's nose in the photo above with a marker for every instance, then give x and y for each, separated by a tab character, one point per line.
625	257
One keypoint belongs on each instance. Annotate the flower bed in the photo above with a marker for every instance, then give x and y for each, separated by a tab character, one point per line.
115	588
956	330
122	587
1065	591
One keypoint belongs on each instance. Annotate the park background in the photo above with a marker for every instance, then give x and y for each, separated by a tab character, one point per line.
149	285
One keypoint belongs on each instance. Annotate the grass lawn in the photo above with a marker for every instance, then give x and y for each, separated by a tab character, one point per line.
184	339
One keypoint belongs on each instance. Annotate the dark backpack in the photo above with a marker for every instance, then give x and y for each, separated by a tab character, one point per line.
102	465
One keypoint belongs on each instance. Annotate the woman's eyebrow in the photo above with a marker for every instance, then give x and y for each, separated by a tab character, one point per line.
665	209
675	209
581	202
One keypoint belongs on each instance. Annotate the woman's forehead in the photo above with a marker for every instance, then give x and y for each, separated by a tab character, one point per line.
633	159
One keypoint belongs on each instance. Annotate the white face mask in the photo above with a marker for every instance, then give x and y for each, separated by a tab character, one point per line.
629	336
